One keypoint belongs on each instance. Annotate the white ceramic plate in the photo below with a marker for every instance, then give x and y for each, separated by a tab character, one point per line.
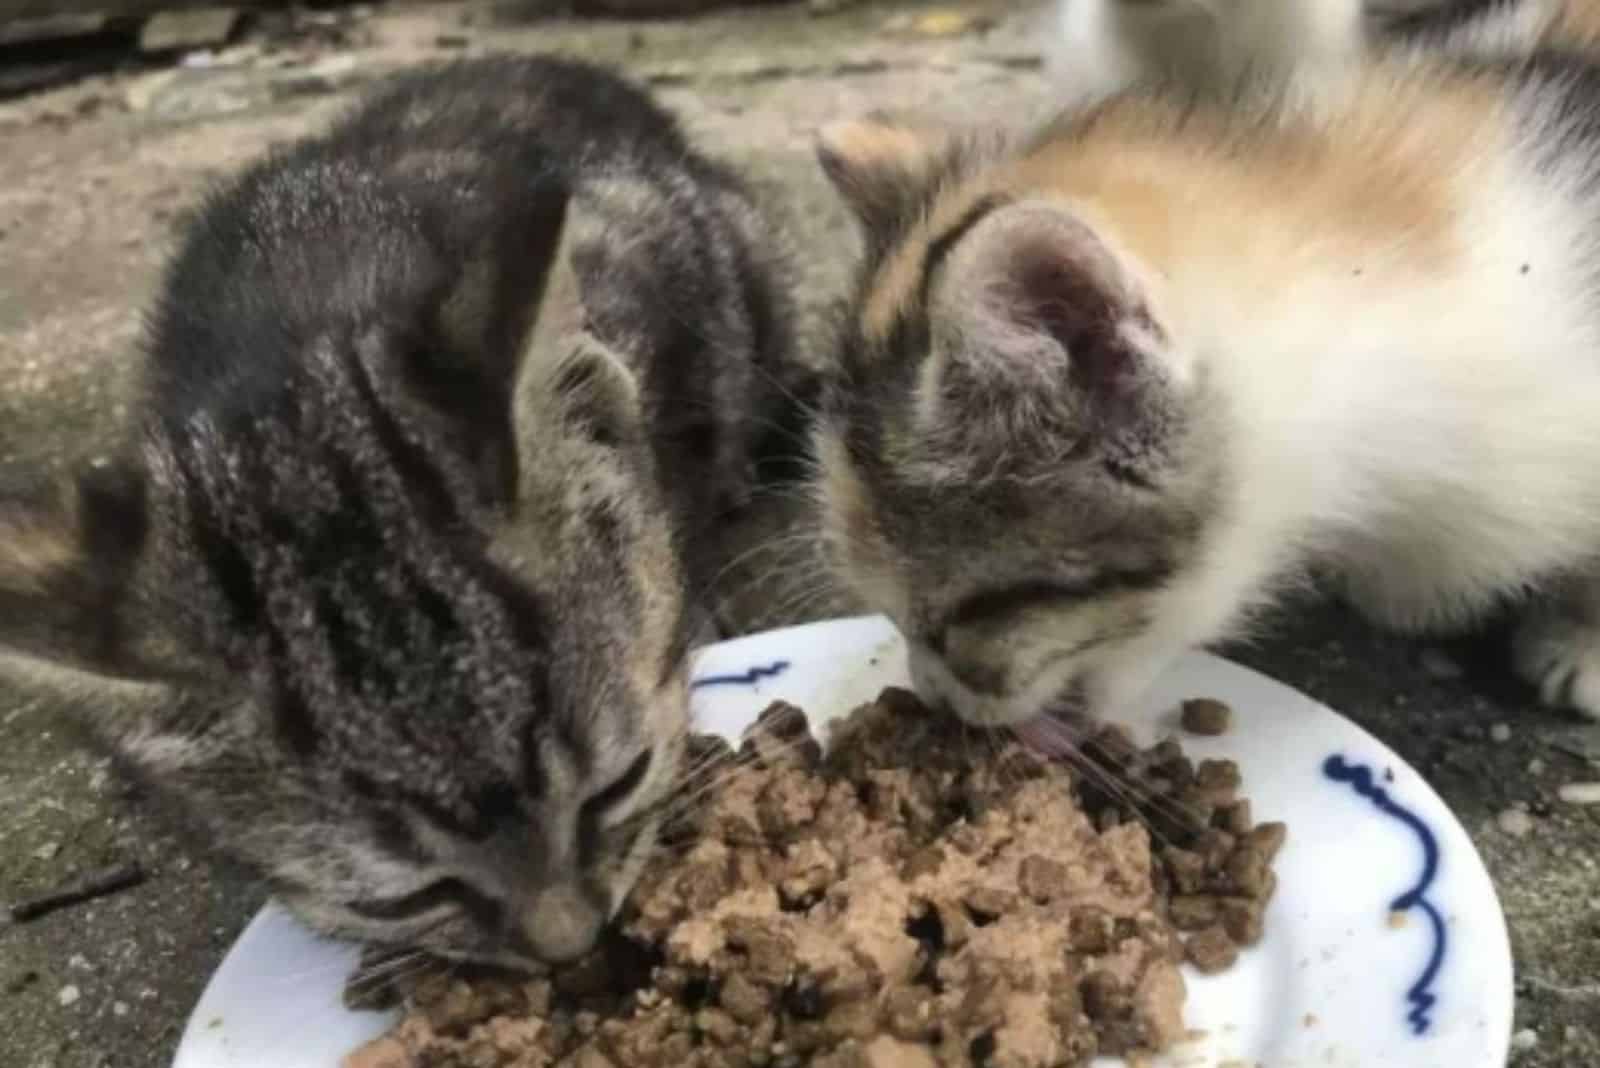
1385	944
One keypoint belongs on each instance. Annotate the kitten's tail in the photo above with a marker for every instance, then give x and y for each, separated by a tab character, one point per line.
66	555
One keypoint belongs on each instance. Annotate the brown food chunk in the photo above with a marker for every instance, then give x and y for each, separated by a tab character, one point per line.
1211	950
1235	819
1243	919
384	1052
918	897
1267	839
1248	870
1187	870
1194	912
1206	716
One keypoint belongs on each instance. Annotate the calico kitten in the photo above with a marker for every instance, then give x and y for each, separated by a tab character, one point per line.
1107	390
387	594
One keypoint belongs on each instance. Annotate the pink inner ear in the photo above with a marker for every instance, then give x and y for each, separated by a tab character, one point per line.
1056	290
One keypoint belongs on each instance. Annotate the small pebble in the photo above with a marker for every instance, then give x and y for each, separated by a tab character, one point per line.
1515	822
47	851
1525	1041
1535	766
68	995
1500	733
1581	793
1437	662
119	1008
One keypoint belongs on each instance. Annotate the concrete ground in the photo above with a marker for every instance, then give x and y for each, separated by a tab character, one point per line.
92	178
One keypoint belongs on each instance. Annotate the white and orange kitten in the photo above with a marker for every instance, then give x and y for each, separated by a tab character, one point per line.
1108	390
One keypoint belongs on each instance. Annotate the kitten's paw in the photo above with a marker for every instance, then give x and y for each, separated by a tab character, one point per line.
1560	655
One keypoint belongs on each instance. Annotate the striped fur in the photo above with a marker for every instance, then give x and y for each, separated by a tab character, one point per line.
387	597
1107	390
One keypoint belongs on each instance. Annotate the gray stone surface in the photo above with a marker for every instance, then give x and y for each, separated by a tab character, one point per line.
203	27
92	181
18	10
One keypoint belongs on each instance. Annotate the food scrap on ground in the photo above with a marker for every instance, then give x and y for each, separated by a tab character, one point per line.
923	896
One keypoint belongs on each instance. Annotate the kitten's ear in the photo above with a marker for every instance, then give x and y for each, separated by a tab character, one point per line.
570	383
488	308
67	557
448	357
881	164
1052	320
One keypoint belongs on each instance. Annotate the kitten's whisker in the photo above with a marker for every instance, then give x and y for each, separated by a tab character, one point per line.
682	801
774	544
392	973
1152	798
1134	797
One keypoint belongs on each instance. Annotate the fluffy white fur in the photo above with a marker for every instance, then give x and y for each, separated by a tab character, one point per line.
1437	447
1432	438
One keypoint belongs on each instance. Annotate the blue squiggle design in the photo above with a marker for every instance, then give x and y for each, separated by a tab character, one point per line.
1361	779
748	678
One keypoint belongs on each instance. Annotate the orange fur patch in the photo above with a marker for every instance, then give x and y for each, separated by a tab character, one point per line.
1377	173
876	143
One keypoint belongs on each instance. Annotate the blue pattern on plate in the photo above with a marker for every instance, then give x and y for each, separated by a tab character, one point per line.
1361	779
747	678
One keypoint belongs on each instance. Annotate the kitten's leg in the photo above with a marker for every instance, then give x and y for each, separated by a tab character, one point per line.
1558	645
1102	47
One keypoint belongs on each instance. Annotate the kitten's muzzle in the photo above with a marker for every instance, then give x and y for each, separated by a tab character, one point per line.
1060	693
933	680
562	924
931	661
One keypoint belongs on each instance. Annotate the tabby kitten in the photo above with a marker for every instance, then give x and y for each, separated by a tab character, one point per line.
387	596
1106	391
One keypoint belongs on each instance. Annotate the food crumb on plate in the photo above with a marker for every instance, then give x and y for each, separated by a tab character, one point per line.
1206	716
383	1052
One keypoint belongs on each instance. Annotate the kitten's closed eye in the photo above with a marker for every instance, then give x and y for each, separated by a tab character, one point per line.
1005	601
442	893
611	797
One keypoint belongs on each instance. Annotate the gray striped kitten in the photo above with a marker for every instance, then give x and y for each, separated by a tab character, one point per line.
387	594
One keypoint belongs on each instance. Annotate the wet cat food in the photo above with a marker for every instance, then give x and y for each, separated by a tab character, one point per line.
923	896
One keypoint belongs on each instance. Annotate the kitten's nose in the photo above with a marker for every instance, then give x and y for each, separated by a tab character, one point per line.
562	924
939	677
